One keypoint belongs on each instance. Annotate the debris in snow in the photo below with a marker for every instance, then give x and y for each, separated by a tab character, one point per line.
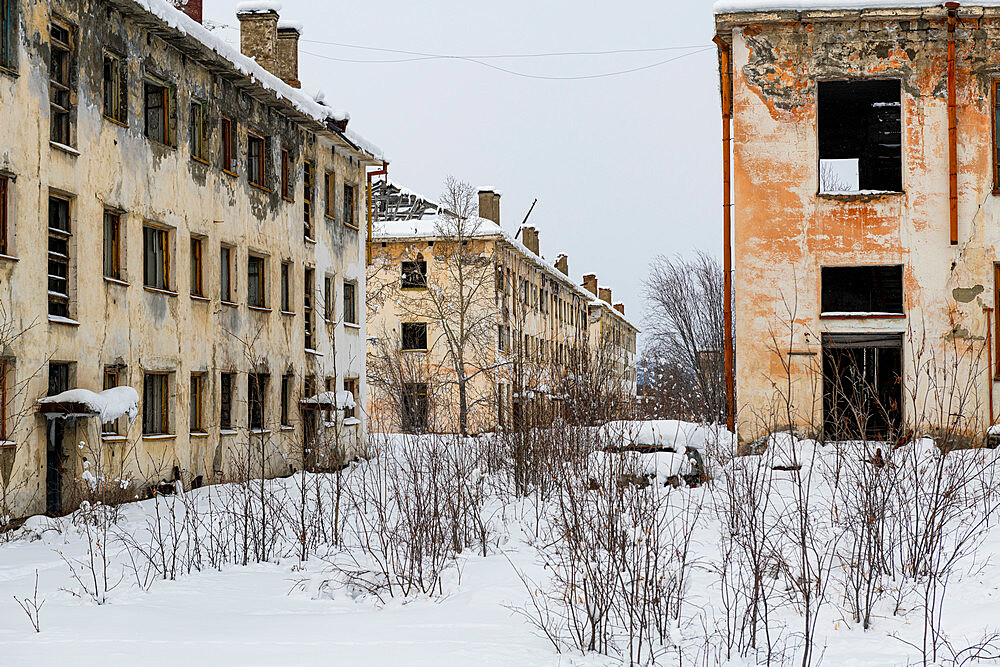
109	405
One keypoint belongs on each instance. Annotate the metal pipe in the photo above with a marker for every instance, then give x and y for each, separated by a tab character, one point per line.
952	126
371	212
729	352
989	358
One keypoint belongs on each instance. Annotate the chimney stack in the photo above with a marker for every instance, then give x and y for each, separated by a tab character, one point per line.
562	264
605	295
259	32
288	52
590	283
620	307
190	7
529	237
489	203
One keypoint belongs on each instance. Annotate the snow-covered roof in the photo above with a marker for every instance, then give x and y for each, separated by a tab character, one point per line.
287	24
109	404
737	6
258	7
329	399
301	101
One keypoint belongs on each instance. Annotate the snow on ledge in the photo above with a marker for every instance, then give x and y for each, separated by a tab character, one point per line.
288	24
258	7
342	399
738	6
109	405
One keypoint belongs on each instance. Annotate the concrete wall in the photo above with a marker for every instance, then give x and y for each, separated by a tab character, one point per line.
785	231
121	322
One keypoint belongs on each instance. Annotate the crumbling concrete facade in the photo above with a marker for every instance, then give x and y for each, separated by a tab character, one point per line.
177	193
793	233
541	332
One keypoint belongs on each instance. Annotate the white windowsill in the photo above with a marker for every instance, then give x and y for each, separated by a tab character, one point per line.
64	148
228	431
58	319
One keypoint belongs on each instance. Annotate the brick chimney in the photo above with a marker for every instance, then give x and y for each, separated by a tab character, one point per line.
562	264
489	203
529	237
259	33
620	307
605	293
590	283
190	7
288	52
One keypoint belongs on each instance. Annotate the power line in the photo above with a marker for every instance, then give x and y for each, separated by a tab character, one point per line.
526	75
545	54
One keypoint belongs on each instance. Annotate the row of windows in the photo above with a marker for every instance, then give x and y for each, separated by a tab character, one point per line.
157	272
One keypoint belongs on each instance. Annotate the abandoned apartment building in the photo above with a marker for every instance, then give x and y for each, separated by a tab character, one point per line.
203	244
863	166
530	329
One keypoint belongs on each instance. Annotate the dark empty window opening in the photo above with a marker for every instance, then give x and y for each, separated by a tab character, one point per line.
414	274
159	111
414	335
860	136
256	160
862	290
415	408
862	386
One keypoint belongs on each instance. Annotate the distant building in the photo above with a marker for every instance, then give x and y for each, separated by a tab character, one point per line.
537	332
177	217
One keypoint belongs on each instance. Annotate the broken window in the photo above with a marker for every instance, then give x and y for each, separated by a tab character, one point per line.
286	398
155	404
115	88
225	274
197	284
307	197
256	172
159	111
4	182
226	401
862	290
328	299
286	287
351	387
350	305
862	385
860	136
286	174
59	242
307	308
111	380
349	217
415	407
328	187
199	131
255	281
228	145
155	258
8	43
197	400
414	274
256	398
112	245
414	336
60	82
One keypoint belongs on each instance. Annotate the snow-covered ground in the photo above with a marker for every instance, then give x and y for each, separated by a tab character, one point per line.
321	611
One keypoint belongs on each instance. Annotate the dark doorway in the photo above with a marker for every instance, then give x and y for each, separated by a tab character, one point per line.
58	383
415	408
862	385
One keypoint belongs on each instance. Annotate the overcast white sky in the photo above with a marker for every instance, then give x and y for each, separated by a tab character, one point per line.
624	168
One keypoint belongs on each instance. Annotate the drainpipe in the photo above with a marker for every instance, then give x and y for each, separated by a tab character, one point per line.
725	71
952	126
989	357
371	211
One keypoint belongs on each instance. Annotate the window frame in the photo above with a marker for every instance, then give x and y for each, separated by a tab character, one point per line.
198	130
4	212
874	288
196	404
257	164
115	106
286	287
167	97
257	384
287	379
330	195
197	261
227	381
226	274
351	304
403	326
111	379
418	266
308	278
150	420
257	287
308	197
164	268
349	206
113	224
351	385
227	144
8	35
329	300
61	86
286	176
60	301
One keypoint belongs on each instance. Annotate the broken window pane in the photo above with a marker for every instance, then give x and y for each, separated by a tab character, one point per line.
873	290
414	335
414	274
860	136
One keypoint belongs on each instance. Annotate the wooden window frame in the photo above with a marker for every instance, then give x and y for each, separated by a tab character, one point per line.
60	239
308	194
328	300
286	287
226	273
351	314
61	87
995	117
996	320
227	145
113	244
350	206
286	398
257	383
308	278
330	195
163	409
112	379
196	414
260	284
351	385
257	164
403	337
8	34
115	88
162	234
166	95
286	175
4	397
4	217
227	382
198	130
197	266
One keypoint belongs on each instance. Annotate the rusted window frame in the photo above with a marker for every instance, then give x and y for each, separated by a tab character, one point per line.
113	244
197	266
